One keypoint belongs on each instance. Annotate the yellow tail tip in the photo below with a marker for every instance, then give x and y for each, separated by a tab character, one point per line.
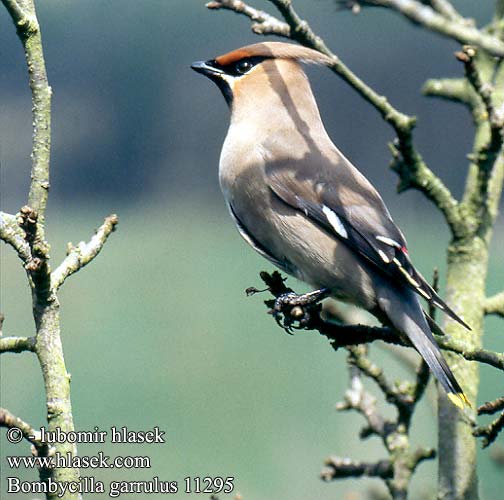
459	399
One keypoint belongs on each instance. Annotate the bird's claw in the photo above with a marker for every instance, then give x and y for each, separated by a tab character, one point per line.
292	311
282	309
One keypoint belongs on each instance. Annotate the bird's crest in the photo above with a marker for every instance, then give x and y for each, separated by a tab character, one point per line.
275	50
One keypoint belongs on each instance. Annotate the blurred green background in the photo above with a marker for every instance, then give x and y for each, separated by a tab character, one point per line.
158	331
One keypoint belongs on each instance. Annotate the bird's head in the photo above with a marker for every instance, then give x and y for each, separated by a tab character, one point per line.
255	70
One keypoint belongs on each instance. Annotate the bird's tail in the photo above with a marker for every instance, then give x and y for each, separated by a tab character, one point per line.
405	313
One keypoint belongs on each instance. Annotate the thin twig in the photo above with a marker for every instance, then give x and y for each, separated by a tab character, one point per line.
9	420
495	359
17	344
495	305
468	57
445	8
490	432
83	253
491	407
263	24
338	468
456	90
358	399
374	372
459	29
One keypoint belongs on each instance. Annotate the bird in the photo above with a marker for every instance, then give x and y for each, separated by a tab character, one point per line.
301	204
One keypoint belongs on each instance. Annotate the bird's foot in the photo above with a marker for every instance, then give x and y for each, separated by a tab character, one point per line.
291	310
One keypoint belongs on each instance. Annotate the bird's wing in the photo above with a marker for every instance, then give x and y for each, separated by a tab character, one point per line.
338	198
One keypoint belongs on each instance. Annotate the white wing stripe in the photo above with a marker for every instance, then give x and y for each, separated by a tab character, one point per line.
383	256
388	241
335	222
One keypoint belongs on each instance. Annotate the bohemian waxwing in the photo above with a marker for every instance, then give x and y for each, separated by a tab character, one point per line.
300	203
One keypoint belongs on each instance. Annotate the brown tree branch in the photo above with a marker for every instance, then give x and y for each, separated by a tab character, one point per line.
394	433
491	407
353	335
404	397
82	254
338	468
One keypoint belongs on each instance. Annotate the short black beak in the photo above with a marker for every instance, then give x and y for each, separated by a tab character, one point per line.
206	69
212	70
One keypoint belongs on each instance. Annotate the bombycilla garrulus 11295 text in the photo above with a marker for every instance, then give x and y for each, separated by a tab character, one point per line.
300	203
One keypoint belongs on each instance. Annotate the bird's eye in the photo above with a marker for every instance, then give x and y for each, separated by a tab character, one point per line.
244	66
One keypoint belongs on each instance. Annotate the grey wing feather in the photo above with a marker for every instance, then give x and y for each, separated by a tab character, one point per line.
341	201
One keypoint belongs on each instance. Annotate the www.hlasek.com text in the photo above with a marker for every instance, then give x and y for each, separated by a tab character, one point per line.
67	460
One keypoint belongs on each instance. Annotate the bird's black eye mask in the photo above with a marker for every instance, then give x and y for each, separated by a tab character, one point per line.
237	68
234	69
